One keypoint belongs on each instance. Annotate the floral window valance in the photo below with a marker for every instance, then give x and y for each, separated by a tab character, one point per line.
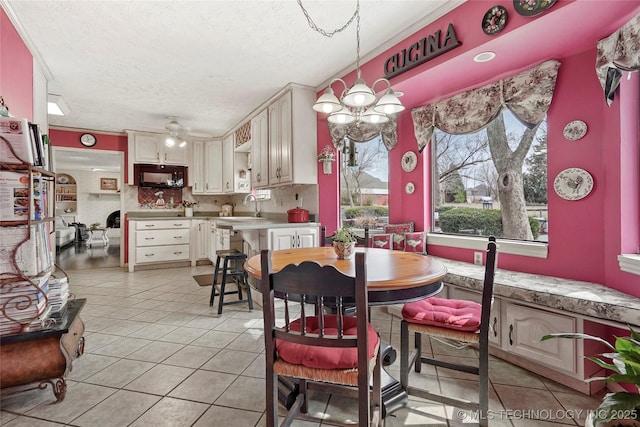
619	51
363	132
527	95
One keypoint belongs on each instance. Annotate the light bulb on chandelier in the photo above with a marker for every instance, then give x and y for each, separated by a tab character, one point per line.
358	102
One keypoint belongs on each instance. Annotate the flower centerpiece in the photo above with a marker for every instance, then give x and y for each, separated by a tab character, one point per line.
344	242
621	408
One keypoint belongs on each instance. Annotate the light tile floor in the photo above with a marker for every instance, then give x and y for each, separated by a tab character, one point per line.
157	355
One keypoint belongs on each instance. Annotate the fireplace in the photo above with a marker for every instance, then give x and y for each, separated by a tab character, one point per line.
113	220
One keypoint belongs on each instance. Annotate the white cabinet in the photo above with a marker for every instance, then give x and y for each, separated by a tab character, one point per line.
287	238
205	171
151	148
200	239
158	241
260	150
235	174
196	168
523	328
284	148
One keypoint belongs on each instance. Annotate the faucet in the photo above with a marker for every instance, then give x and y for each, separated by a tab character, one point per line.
255	201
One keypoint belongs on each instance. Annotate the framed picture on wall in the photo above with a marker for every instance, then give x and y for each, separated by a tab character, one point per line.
109	184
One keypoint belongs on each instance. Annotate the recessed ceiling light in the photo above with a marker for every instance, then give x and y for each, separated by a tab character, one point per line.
484	57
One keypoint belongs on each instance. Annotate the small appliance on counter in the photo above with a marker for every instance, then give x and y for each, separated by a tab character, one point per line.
227	210
298	215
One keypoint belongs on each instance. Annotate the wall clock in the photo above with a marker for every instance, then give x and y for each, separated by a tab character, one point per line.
88	140
573	184
409	161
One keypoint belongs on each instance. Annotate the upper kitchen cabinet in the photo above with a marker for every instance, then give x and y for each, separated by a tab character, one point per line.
151	148
260	150
292	138
212	167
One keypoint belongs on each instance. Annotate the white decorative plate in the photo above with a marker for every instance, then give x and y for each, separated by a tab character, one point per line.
409	161
63	179
409	188
573	184
575	130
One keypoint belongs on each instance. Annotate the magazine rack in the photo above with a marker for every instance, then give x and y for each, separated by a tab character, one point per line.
35	347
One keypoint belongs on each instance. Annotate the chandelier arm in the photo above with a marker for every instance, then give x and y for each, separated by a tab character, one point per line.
315	27
344	84
381	79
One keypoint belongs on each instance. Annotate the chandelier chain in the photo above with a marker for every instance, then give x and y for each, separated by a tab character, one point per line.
314	26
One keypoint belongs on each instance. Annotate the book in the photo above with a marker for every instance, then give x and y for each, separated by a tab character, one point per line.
18	136
36	144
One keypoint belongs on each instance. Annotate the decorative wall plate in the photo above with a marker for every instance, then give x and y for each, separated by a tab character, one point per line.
575	130
573	184
409	161
63	179
532	7
494	20
409	188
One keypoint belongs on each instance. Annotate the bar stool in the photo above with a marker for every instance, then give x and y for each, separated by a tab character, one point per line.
232	268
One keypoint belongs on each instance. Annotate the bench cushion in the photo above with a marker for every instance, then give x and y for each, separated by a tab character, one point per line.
455	314
325	357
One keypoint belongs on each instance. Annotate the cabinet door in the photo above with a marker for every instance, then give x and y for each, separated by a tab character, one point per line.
282	238
174	155
213	167
196	174
525	326
228	164
260	150
201	228
280	140
146	149
307	237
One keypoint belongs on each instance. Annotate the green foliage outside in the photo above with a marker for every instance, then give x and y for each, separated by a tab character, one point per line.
479	222
364	211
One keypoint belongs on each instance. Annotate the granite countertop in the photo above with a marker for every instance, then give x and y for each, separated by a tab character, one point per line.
584	298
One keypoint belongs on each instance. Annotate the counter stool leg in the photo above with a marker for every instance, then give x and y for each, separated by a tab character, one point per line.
225	267
215	281
245	279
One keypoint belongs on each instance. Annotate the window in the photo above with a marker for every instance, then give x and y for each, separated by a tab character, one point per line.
364	184
492	182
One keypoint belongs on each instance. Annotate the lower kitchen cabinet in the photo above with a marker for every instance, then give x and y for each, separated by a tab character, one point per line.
287	238
200	238
158	241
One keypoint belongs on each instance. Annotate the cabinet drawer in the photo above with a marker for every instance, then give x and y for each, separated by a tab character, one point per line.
158	225
162	253
525	326
178	236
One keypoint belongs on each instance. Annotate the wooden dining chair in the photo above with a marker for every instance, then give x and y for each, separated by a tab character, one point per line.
328	240
460	321
335	352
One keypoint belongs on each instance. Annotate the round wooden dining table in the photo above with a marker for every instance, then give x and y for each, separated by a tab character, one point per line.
392	276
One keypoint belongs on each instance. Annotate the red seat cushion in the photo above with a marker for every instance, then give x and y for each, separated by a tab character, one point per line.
455	314
325	357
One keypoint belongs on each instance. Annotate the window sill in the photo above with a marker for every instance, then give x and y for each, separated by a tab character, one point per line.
629	263
529	249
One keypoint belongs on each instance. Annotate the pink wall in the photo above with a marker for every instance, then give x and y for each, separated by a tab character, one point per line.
16	70
586	236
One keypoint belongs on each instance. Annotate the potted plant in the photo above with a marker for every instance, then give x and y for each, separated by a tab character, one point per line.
620	408
344	242
94	226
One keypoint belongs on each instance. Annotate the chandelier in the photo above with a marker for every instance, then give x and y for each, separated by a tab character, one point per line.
357	103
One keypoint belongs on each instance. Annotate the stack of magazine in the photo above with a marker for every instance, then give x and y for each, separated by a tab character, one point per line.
58	293
24	306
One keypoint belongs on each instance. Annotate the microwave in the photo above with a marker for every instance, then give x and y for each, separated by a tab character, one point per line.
160	176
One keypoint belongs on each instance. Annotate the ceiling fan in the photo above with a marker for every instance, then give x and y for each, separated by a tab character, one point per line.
175	130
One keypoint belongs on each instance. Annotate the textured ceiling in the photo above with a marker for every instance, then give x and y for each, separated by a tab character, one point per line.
130	64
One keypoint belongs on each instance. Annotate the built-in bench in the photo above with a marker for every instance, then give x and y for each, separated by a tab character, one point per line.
528	306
